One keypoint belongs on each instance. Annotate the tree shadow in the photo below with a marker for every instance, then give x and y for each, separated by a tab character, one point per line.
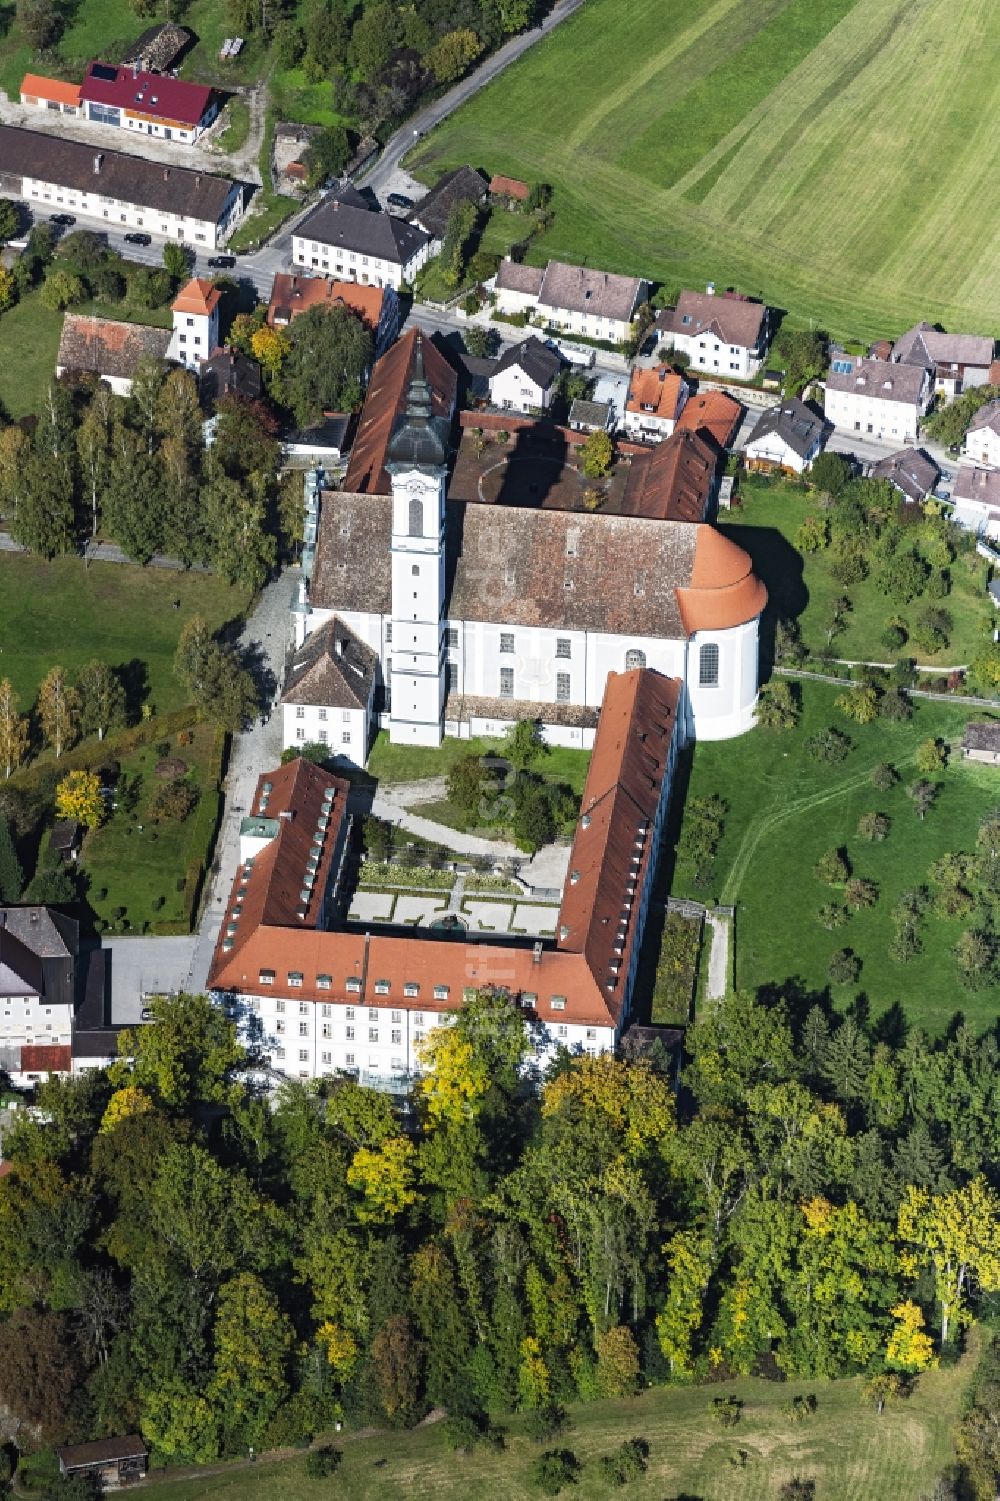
253	659
891	1027
134	678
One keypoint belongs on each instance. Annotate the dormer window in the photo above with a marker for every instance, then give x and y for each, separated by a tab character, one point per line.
381	987
354	985
559	1003
266	977
411	988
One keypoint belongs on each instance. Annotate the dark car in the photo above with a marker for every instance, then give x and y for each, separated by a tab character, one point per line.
65	219
399	200
222	262
138	239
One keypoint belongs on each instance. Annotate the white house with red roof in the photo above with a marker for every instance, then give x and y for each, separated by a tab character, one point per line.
196	323
146	103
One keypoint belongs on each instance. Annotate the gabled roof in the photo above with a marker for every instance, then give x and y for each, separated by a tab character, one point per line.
539	361
982	485
230	372
133	179
674	481
982	734
46	1058
988	416
157	47
658	392
581	289
197	296
20	968
513	276
793	423
734	319
712	412
37	87
101	1451
879	379
107	347
292	295
910	470
509	187
345	219
333	668
152	94
386	400
589	413
461	185
928	346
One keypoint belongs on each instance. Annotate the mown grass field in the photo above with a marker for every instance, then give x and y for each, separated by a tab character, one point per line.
852	1454
785	809
817	152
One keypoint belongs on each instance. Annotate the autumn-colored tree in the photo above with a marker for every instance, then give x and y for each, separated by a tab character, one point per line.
58	710
125	1103
453	1080
253	1339
397	1361
78	797
596	454
689	1259
8	289
957	1235
14	734
861	704
270	348
453	54
384	1178
617	1362
932	756
909	1348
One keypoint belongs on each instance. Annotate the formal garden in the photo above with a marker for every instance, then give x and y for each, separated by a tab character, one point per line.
861	854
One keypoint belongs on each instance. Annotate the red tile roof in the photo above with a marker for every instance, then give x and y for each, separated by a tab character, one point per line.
657	392
146	94
35	87
673	481
48	1058
509	187
366	471
291	295
724	590
713	412
198	296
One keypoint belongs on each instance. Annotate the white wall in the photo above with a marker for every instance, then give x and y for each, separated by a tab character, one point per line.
136	216
774	450
515	391
345	731
726	708
861	413
707	352
983	447
351	265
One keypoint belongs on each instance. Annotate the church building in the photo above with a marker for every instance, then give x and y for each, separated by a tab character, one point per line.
482	613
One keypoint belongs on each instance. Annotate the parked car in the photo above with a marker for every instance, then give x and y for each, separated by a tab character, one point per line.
138	238
399	200
222	262
64	219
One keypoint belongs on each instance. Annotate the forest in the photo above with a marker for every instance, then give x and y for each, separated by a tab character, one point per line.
182	1255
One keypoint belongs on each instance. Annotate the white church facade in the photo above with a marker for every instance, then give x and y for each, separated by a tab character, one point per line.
481	614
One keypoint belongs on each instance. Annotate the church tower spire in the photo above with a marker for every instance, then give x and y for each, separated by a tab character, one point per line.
417	462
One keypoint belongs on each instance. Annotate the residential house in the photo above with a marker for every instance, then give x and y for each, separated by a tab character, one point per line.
526	376
461	185
376	307
654	404
877	398
228	372
348	238
576	299
591	416
313	997
724	334
957	362
715	413
913	473
111	1462
108	349
147	103
981	741
38	992
982	439
329	693
195	312
56	174
786	437
50	94
976	499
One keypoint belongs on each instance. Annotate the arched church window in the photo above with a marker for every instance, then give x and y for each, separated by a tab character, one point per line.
708	665
416	518
634	658
415	571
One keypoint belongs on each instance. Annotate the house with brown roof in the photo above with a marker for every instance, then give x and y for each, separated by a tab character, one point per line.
654	403
877	398
469	604
461	185
108	349
957	362
910	471
723	334
376	307
786	437
329	693
112	1462
364	1000
228	372
573	299
982	437
981	741
39	948
712	413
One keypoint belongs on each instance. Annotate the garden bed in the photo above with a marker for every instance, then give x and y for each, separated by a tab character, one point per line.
676	970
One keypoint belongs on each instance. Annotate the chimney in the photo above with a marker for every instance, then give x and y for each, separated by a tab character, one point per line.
166	173
98	159
338	646
287	813
710	289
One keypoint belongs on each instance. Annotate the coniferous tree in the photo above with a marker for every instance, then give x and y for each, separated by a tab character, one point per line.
11	874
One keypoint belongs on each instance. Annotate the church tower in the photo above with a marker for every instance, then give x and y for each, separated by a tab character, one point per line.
417	460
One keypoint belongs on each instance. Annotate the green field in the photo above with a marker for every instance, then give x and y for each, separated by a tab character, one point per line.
411	763
68	613
816	152
786	809
802	586
852	1454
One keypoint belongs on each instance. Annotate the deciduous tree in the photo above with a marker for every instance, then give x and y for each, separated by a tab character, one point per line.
14	734
78	797
58	710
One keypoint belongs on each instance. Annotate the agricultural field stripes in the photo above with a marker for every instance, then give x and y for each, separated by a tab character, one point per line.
834	156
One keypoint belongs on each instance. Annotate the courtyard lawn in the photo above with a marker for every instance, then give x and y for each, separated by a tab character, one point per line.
785	809
851	1453
124	615
237	126
138	868
412	763
29	343
736	140
803	587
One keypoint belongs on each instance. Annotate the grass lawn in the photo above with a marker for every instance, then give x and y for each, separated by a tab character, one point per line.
852	1454
803	586
295	98
267	211
504	229
786	809
406	763
134	869
68	613
736	140
237	126
29	341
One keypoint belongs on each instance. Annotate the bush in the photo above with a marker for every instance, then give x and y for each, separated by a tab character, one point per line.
726	1411
321	1463
546	1422
800	1408
844	967
628	1462
554	1470
172	802
829	745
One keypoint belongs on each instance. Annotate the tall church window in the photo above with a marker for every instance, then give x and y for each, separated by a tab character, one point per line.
416	518
708	666
634	658
415	571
